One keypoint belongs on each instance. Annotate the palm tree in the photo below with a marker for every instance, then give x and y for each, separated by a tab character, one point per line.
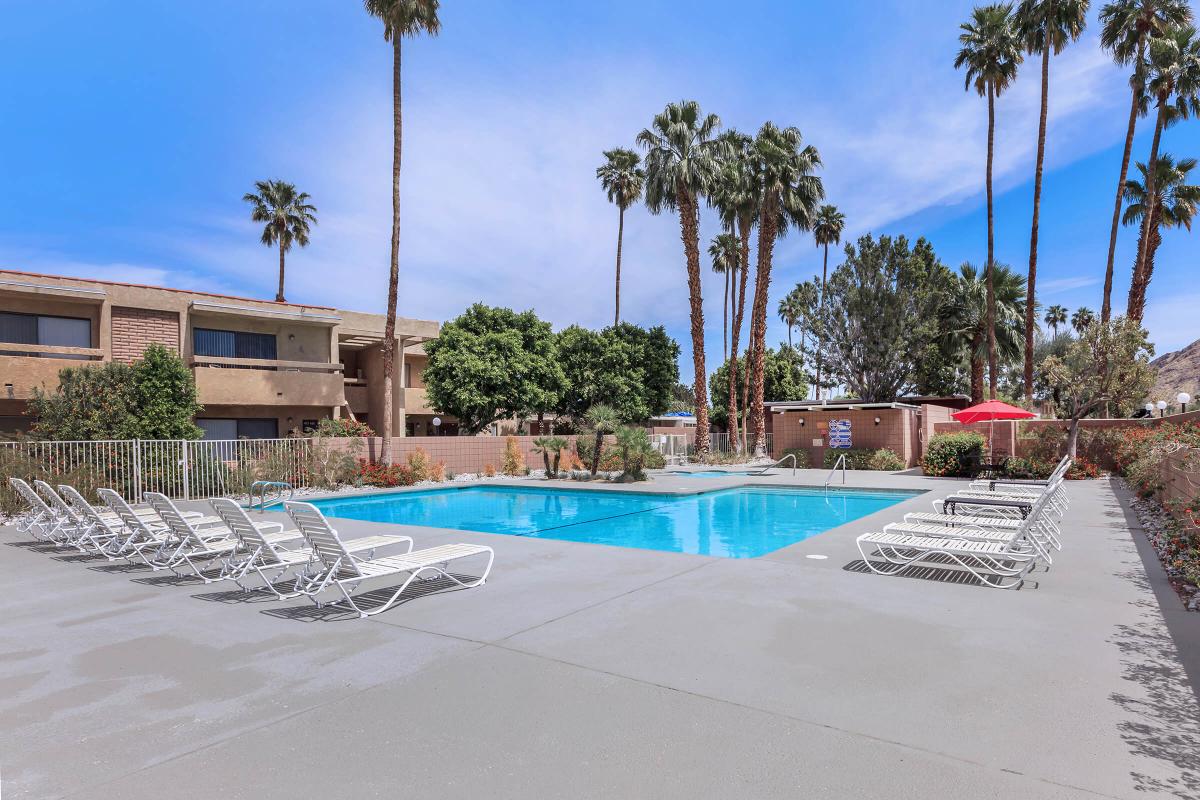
723	250
1174	71
681	165
789	312
287	214
400	18
783	171
1082	318
1127	26
1055	315
990	53
1173	206
622	180
1044	26
966	314
827	229
603	419
736	199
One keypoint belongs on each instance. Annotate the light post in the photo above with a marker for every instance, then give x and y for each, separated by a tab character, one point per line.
1161	405
1183	398
437	426
1149	409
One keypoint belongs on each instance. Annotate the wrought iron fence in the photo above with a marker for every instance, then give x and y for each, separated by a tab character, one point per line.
719	442
180	469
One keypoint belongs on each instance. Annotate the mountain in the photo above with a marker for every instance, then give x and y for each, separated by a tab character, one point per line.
1177	372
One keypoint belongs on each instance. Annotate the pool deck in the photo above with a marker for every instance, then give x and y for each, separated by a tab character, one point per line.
588	671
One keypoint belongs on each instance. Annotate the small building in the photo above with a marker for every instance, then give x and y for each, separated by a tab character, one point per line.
819	426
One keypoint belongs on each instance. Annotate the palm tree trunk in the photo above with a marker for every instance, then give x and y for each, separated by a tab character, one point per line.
689	224
976	369
758	323
820	340
1033	234
991	255
389	328
739	307
725	320
1137	293
1106	307
620	236
279	294
1137	286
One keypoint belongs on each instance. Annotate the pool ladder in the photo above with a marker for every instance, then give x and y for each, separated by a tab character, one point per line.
262	488
841	462
792	456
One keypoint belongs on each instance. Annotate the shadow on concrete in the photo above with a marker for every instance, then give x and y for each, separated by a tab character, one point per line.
331	612
929	570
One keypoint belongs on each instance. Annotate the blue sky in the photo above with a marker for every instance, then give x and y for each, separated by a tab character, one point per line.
131	129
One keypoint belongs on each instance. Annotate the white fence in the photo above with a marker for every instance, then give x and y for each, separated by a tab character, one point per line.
182	470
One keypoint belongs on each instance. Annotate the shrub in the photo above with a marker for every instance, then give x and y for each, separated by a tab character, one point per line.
385	475
633	446
437	472
343	427
418	462
551	449
885	460
655	460
803	460
514	461
610	459
489	471
953	454
855	458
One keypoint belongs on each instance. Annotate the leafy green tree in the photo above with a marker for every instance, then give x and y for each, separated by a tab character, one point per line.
881	310
1108	365
1126	28
783	379
629	368
827	229
153	398
491	364
965	318
622	180
400	18
991	51
681	166
1055	315
1174	205
288	216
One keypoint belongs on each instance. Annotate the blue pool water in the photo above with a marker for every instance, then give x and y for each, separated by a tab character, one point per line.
735	523
709	473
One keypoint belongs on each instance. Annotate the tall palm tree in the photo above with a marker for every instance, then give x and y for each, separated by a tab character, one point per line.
288	216
1082	318
735	196
1045	27
827	229
622	180
1055	315
789	312
783	172
681	165
723	250
1127	26
1174	83
400	18
1174	206
966	315
990	53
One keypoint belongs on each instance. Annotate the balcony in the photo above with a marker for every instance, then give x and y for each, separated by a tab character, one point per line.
415	402
264	382
22	373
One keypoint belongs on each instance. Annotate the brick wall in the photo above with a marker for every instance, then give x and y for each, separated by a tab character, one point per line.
897	431
460	453
135	328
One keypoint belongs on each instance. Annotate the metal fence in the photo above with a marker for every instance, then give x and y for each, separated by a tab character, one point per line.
719	442
180	469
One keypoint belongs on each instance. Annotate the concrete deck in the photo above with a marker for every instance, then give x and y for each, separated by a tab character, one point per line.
590	671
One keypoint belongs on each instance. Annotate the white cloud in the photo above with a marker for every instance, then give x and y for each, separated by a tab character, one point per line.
1060	285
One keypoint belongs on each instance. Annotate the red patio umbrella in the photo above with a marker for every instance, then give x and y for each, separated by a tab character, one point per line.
991	410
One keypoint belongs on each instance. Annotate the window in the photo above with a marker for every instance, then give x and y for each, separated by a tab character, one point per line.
233	344
45	329
239	428
407	376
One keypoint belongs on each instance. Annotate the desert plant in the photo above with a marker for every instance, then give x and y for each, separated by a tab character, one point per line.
489	470
514	460
343	427
551	449
633	445
803	459
885	460
418	462
437	472
953	454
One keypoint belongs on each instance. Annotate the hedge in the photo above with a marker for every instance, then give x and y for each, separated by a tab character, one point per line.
953	454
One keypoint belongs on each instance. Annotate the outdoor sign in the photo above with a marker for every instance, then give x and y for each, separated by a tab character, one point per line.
839	434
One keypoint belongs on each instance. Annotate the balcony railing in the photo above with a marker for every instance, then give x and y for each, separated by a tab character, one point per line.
266	364
80	353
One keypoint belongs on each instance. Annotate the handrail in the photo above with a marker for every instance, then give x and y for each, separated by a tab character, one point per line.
792	456
262	487
841	460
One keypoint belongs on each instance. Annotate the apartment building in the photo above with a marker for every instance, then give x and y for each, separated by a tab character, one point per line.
262	369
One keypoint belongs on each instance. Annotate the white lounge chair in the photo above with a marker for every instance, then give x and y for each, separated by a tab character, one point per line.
269	560
38	520
345	571
142	535
1030	535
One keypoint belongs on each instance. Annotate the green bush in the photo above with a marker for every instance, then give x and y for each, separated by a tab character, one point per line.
855	458
953	454
803	461
885	460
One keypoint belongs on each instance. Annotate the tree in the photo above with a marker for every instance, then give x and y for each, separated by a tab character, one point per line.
990	53
880	311
491	364
1126	27
827	229
602	419
1045	27
400	18
789	192
1055	315
1174	72
723	250
681	165
1082	317
790	310
966	317
622	180
287	214
550	447
633	370
783	379
1174	205
153	398
1108	365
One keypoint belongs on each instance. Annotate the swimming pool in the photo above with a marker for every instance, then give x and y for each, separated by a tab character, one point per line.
708	473
743	522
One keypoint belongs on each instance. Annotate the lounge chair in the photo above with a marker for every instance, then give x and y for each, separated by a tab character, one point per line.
345	571
1032	534
269	560
38	520
142	536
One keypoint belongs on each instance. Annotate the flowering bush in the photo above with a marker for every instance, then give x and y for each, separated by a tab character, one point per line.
418	462
953	454
343	427
385	476
514	460
885	460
